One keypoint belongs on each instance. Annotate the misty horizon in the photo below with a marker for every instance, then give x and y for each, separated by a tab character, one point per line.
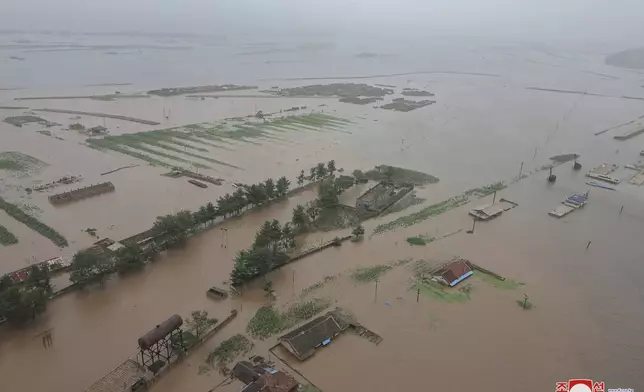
548	21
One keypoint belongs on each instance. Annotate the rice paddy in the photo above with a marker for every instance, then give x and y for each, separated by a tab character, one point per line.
7	237
18	163
425	213
33	223
196	144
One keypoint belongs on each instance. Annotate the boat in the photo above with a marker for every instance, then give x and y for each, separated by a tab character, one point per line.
217	293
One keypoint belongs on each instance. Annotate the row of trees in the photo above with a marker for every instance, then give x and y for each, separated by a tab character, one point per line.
269	250
317	172
24	301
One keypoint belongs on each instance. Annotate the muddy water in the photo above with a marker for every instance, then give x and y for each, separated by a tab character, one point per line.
588	317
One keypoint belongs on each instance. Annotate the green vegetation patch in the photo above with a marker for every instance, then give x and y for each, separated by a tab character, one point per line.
436	291
20	163
335	90
419	240
192	143
400	175
487	189
228	350
368	274
7	237
268	321
507	284
425	213
33	223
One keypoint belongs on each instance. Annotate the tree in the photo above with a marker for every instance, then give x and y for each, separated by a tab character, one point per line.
88	267
129	258
239	201
388	172
300	218
288	237
201	215
331	167
359	176
300	178
312	210
327	195
255	194
224	205
174	228
358	232
320	169
269	189
19	305
211	211
200	323
282	186
313	173
39	278
268	290
5	282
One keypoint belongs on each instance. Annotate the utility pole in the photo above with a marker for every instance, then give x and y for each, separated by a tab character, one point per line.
493	199
520	171
293	282
417	294
473	226
375	296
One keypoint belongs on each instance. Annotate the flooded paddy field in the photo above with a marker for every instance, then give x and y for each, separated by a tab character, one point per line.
482	129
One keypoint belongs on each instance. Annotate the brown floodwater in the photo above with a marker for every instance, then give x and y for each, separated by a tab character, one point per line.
588	318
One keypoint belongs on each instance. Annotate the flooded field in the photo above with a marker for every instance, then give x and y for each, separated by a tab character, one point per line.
500	118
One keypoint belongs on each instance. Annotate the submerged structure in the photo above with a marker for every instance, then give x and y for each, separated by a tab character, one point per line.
453	273
81	193
318	332
381	196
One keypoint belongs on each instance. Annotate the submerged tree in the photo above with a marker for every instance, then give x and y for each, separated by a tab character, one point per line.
200	323
358	232
129	258
282	186
299	219
320	171
269	189
331	167
87	268
300	178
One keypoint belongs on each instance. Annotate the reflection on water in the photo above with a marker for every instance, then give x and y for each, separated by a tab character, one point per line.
588	320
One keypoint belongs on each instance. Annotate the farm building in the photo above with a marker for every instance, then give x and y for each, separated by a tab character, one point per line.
453	273
303	341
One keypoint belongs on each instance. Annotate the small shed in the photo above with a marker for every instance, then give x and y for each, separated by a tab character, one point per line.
453	273
97	130
246	372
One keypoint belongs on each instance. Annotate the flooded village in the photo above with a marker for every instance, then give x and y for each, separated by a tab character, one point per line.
313	228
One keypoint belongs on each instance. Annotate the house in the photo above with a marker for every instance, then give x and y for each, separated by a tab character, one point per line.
276	381
453	273
246	372
303	341
97	130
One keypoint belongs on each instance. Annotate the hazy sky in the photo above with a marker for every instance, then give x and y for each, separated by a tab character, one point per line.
547	19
